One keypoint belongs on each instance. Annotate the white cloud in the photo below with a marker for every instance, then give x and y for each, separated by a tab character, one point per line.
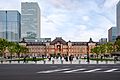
86	18
49	28
110	3
80	31
75	20
10	5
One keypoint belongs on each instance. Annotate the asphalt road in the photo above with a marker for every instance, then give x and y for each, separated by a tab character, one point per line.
59	71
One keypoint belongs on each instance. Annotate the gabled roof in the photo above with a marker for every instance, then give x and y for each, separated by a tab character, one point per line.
58	39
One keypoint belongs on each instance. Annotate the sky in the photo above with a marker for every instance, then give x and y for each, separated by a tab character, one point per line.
75	20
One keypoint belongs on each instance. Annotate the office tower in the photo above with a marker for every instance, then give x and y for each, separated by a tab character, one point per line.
30	13
112	34
118	19
10	25
103	41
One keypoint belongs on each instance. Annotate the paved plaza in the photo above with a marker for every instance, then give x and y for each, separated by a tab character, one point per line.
59	61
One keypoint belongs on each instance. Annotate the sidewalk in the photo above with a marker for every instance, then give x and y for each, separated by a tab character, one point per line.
58	61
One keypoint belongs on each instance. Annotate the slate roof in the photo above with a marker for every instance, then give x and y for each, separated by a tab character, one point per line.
79	43
35	44
58	39
61	41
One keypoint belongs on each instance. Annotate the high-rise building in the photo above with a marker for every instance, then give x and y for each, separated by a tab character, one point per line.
112	34
10	25
103	40
30	16
118	19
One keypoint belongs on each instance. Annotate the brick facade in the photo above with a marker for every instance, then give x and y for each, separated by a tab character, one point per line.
59	46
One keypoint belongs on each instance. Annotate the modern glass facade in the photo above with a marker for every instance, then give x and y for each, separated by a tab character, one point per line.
103	41
118	19
30	12
112	34
10	25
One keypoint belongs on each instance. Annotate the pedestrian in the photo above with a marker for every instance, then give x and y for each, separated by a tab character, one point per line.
44	61
79	61
52	61
24	59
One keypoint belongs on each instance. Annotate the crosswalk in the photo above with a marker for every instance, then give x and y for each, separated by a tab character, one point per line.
49	71
73	70
81	70
93	70
111	70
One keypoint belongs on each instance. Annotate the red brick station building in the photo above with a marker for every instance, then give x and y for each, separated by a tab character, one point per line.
59	46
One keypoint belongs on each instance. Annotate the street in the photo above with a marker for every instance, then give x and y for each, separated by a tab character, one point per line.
59	71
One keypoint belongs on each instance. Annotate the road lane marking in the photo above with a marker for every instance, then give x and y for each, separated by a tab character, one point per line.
92	70
111	70
73	70
50	71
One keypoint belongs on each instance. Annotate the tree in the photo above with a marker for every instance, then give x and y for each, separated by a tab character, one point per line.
11	48
102	49
96	50
24	50
3	46
110	47
18	49
117	45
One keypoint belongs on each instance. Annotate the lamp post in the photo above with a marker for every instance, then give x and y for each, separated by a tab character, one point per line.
88	59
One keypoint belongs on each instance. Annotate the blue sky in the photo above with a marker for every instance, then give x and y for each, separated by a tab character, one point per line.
75	20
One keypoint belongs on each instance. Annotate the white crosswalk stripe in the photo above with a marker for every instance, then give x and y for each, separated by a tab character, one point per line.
111	70
81	70
92	70
73	70
50	71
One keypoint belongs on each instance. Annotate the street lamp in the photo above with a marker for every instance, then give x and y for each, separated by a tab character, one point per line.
88	59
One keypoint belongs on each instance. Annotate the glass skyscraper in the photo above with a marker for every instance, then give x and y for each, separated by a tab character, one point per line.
118	19
30	16
112	34
10	25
